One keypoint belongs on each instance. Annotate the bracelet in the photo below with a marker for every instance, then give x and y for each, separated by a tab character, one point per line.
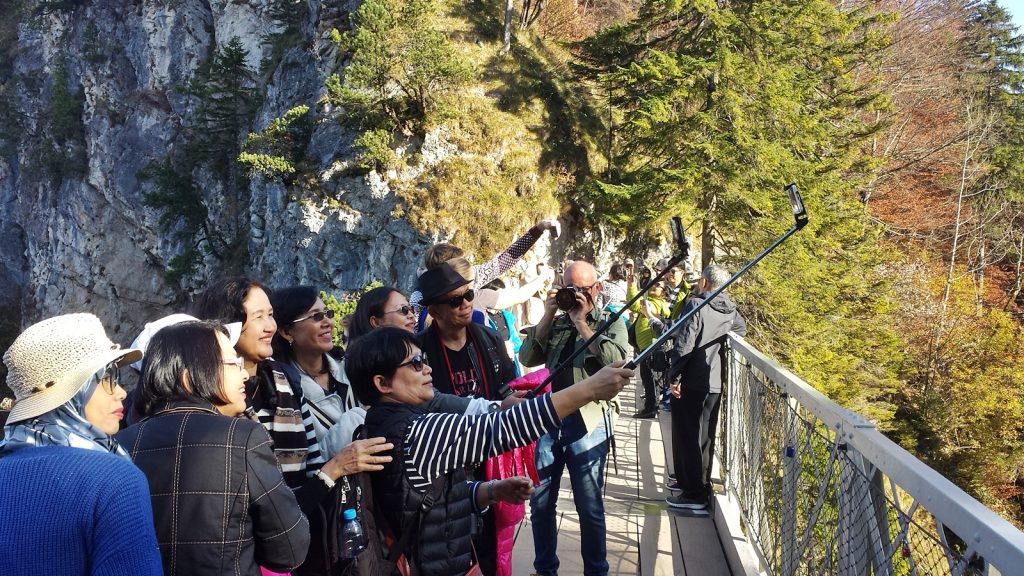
327	479
490	492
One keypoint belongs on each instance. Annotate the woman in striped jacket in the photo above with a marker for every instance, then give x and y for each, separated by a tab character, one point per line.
431	451
275	399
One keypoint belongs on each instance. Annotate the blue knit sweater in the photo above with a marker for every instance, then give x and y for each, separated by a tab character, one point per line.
68	511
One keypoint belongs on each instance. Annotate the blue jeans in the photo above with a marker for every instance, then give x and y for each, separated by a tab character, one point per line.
583	454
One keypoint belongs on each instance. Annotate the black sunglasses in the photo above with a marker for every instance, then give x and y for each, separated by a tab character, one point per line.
406	310
417	362
111	378
456	301
316	316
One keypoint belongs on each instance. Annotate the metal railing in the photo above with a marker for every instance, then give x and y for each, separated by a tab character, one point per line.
822	492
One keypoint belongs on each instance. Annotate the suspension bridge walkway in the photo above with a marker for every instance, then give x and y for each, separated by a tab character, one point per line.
803	487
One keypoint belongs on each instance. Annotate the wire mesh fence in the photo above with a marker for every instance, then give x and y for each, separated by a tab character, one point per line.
813	504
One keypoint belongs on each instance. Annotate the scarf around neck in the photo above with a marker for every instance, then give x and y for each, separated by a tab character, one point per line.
63	426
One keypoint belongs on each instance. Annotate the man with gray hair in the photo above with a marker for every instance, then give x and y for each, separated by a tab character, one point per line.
696	372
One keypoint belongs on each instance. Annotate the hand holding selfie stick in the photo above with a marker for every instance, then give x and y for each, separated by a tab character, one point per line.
679	235
799	213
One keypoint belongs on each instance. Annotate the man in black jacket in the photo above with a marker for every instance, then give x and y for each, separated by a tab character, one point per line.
467	359
696	376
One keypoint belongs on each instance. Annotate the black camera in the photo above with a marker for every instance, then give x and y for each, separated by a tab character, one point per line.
565	298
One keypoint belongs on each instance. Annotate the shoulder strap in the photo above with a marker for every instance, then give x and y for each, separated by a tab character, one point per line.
490	341
320	415
409	537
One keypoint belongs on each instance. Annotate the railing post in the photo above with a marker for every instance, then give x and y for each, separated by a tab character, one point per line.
884	548
790	476
844	530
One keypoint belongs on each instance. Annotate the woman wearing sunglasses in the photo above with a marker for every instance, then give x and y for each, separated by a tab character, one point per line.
275	397
73	503
305	339
382	306
220	504
432	451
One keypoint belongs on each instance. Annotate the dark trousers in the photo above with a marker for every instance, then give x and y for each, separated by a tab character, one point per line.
485	543
647	379
694	422
485	537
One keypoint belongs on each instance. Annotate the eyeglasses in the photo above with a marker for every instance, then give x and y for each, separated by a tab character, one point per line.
417	362
456	301
582	288
111	378
406	310
316	316
236	361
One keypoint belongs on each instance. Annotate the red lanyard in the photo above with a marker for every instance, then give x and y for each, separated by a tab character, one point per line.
479	358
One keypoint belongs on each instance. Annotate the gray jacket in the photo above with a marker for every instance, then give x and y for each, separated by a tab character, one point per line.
697	356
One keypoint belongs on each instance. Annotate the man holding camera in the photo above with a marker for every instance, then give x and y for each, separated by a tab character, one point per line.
581	445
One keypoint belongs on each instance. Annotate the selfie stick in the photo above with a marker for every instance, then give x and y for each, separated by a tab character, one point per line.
679	235
799	213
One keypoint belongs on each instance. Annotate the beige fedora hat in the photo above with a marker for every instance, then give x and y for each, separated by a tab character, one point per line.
51	360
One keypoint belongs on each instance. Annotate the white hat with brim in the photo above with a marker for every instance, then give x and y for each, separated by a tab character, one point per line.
51	360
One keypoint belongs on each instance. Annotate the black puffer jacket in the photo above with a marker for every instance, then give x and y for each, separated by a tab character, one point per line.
220	504
444	542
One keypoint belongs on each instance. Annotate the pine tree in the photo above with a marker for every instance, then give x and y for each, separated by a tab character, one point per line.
226	96
999	78
403	69
718	105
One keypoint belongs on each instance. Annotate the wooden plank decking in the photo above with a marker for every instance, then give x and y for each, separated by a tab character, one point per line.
644	537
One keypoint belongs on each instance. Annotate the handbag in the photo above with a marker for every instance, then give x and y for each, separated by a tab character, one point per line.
659	360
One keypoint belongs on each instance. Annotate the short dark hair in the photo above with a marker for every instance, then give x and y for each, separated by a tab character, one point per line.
370	305
223	300
289	304
188	346
378	353
617	272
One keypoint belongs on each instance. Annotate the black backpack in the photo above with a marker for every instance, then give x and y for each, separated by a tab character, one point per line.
356	491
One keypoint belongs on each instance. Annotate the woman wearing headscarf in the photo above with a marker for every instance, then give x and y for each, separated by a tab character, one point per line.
73	503
220	504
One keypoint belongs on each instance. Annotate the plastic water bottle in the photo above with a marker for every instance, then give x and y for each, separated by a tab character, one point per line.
353	541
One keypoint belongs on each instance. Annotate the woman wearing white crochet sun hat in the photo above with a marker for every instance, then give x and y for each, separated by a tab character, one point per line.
63	477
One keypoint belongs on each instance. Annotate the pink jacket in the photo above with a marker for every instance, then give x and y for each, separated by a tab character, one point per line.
518	462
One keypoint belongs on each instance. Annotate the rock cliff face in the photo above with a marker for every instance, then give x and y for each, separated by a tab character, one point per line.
75	234
94	94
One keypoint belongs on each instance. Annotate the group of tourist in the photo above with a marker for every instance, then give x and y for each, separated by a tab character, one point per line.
249	426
